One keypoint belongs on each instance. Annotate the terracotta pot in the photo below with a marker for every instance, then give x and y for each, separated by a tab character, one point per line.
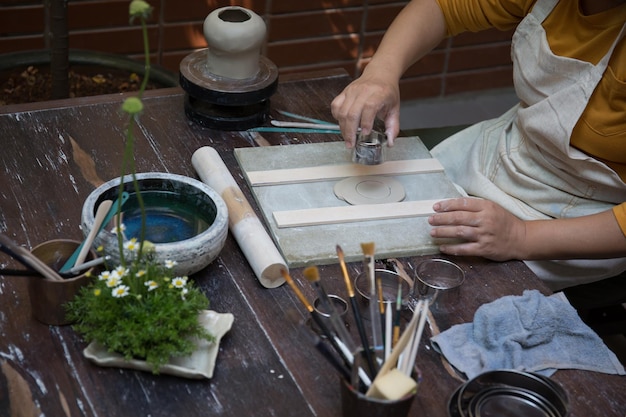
48	297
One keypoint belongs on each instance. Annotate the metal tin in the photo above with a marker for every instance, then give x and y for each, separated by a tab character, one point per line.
524	394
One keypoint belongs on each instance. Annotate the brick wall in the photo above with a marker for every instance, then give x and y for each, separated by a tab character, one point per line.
303	35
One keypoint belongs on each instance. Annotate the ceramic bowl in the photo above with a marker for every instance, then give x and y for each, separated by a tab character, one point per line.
185	219
48	297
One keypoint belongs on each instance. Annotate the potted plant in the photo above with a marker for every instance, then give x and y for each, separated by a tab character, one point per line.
141	312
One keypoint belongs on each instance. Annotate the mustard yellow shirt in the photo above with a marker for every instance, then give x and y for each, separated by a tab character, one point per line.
601	129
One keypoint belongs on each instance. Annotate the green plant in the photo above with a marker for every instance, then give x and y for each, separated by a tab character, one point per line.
138	309
141	310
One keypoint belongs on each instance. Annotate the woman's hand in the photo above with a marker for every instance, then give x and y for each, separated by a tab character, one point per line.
487	229
361	102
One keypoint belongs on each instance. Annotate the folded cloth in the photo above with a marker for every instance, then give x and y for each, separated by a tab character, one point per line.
531	332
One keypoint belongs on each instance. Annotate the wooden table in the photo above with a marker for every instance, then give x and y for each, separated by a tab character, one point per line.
54	154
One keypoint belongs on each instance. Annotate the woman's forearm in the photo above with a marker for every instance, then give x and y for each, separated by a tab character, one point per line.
594	236
417	29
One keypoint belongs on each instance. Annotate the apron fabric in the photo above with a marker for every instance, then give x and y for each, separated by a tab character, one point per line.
523	160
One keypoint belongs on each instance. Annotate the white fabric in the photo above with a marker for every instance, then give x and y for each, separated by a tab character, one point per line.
523	159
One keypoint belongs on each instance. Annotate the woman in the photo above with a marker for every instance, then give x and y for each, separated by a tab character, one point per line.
550	172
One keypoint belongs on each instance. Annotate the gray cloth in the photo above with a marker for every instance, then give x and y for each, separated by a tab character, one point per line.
530	332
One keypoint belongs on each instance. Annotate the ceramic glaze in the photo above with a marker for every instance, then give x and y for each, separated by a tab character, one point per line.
192	219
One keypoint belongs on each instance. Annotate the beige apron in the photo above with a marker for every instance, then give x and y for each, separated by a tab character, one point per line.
523	160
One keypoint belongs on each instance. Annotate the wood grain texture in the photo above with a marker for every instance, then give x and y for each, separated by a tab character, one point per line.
266	365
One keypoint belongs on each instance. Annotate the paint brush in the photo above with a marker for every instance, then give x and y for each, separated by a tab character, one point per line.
330	356
368	252
316	317
312	275
388	330
357	313
381	308
396	324
395	353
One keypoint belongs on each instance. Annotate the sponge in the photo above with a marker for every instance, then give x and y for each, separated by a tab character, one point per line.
393	385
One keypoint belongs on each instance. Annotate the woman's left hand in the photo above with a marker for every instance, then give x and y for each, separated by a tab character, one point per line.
485	228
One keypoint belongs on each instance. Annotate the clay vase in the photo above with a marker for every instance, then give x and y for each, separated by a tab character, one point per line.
234	36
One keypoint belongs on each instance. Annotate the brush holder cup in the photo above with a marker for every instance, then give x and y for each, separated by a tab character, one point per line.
437	281
389	283
357	404
48	297
339	304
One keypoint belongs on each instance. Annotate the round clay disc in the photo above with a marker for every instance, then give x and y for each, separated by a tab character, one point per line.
369	190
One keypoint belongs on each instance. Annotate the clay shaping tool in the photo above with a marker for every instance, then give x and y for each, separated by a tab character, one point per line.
27	259
101	213
302	125
357	314
115	207
409	361
395	353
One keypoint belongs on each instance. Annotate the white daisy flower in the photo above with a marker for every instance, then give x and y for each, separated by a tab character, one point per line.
152	285
179	282
131	245
169	264
120	291
104	275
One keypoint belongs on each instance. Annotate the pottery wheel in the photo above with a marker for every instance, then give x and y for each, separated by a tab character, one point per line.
370	190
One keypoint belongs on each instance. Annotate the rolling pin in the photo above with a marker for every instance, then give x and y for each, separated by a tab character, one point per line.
255	243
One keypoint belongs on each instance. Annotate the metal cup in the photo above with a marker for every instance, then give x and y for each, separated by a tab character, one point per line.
438	281
369	149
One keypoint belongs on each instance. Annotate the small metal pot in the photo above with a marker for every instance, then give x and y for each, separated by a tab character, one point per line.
48	297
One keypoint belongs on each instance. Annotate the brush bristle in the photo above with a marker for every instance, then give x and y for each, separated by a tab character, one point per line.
340	254
311	273
368	248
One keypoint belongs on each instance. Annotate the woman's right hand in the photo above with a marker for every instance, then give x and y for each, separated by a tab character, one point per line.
362	101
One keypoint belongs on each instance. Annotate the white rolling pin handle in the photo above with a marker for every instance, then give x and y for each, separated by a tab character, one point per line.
257	246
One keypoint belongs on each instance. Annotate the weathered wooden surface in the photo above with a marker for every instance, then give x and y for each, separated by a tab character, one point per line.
53	157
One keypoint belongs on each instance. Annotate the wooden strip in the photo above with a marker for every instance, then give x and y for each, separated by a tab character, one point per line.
331	172
347	214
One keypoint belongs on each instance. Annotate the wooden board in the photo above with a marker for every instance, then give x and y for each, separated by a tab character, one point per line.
308	237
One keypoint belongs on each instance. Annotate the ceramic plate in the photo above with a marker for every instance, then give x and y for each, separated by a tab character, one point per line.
199	365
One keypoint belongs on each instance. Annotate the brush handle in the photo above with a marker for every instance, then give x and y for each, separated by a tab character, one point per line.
395	353
335	320
101	212
332	359
27	259
363	335
319	320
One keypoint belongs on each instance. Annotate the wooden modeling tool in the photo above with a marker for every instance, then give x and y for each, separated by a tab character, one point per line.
27	259
415	341
115	208
101	213
357	314
391	362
